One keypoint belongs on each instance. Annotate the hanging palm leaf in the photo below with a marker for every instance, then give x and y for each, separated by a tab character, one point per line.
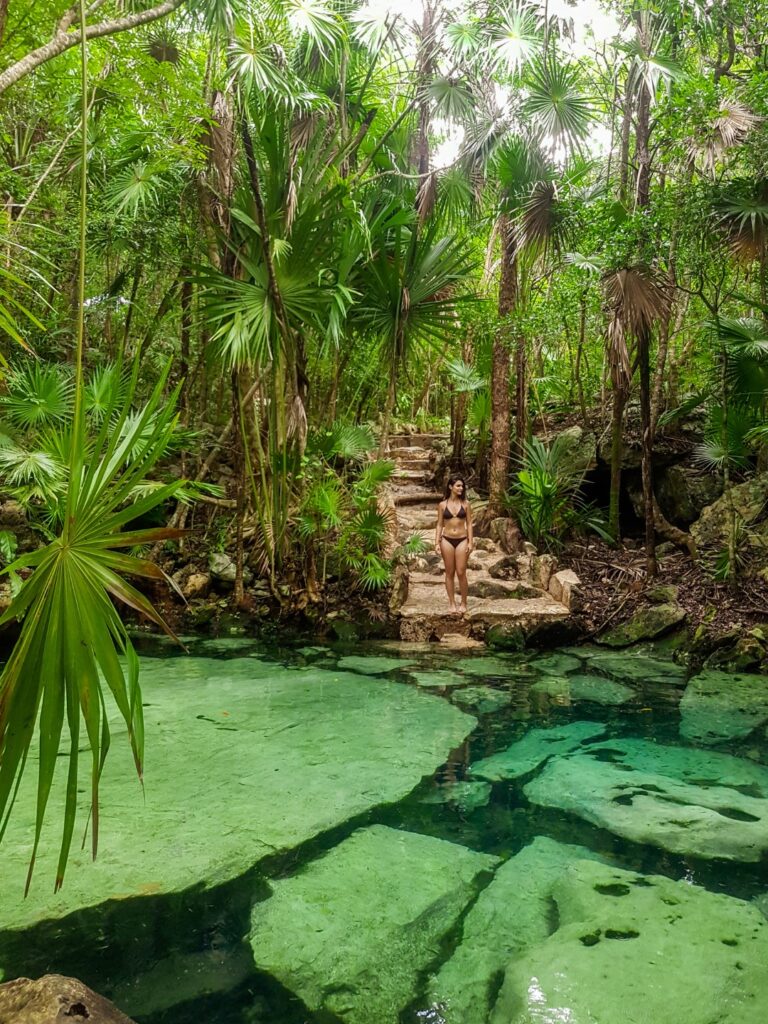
71	631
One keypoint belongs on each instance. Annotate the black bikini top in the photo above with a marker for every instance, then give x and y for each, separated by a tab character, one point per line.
461	514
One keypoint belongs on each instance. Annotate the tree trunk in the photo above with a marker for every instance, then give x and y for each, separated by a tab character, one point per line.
620	396
644	339
238	593
626	126
500	411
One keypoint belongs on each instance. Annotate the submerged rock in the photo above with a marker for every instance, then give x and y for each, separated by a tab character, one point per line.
498	668
639	668
371	665
719	706
482	699
434	679
536	747
465	796
244	759
55	998
645	624
556	664
694	802
581	686
633	948
513	913
351	933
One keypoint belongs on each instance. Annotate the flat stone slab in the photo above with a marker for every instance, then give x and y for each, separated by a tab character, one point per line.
694	802
556	664
510	915
536	747
638	668
482	699
494	668
645	624
635	949
437	679
244	759
719	706
351	933
371	665
581	686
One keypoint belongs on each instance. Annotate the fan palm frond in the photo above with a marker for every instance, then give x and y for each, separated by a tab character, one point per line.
555	103
38	394
516	36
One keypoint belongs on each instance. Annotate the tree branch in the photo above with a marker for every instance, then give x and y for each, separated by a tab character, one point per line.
64	40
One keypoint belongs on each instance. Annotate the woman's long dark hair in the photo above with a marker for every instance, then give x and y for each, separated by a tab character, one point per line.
455	480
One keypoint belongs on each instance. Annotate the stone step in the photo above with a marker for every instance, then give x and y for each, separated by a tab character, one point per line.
414	496
408	475
481	585
415	440
423	603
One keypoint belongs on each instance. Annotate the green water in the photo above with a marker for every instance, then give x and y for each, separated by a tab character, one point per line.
136	948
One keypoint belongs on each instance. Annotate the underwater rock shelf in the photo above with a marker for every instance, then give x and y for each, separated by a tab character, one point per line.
227	742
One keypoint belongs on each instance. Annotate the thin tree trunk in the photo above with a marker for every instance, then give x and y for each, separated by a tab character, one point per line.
238	594
580	353
500	406
620	396
390	405
626	126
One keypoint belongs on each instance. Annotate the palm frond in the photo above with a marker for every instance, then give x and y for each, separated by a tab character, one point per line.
38	394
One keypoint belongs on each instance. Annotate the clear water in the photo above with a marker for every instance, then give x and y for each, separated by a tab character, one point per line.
118	947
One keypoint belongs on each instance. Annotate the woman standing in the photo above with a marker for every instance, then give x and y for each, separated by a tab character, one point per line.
453	540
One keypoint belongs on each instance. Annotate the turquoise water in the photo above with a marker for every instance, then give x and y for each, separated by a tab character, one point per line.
195	941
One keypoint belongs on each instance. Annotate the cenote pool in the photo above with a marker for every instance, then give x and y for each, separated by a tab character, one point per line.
413	834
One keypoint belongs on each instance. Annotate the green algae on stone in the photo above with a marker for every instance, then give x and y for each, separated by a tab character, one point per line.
511	914
435	680
351	933
244	759
719	706
465	796
498	667
636	667
556	664
536	747
694	802
645	624
635	949
482	699
581	686
371	665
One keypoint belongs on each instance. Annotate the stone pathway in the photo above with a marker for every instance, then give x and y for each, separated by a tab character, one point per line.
509	591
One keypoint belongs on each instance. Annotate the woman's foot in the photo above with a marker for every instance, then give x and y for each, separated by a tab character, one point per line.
462	609
453	610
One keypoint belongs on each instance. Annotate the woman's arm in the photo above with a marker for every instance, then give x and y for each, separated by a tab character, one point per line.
470	534
439	527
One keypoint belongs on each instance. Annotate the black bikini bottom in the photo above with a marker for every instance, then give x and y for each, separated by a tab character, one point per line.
455	540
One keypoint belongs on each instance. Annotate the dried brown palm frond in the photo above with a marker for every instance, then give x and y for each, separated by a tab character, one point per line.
637	296
542	217
296	425
618	353
304	126
731	127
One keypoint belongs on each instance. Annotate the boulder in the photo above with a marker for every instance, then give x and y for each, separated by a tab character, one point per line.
581	446
636	948
750	503
399	591
694	802
644	624
512	914
54	998
564	586
719	706
684	492
197	585
356	742
222	568
556	664
351	933
536	748
664	593
635	666
507	636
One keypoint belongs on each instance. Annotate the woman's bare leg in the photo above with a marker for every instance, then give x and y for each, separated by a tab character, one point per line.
461	559
449	559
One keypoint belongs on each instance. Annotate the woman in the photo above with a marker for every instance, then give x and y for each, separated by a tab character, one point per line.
453	540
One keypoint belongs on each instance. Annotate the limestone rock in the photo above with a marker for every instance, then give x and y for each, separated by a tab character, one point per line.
457	641
371	664
482	699
684	492
645	624
222	567
581	446
352	931
54	998
465	796
719	706
663	594
506	637
510	915
438	680
564	587
750	501
493	667
253	728
639	668
636	948
556	664
581	686
197	585
688	801
536	747
506	533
